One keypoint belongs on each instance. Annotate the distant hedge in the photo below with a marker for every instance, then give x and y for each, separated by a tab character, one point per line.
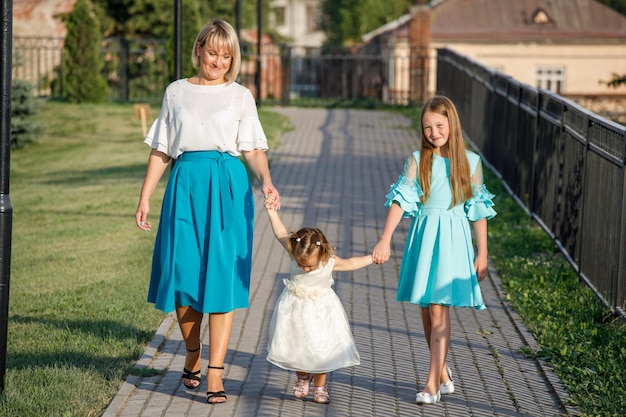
24	129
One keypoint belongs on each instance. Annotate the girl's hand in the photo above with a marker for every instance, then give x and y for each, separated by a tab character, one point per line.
381	252
269	201
480	265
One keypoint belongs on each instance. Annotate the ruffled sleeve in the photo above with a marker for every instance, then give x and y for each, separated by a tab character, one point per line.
480	205
251	135
406	192
158	134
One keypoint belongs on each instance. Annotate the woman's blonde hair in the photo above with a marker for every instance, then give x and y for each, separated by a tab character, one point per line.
219	34
460	180
307	242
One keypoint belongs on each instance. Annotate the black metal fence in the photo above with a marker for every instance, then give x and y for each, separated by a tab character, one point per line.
38	61
564	165
136	70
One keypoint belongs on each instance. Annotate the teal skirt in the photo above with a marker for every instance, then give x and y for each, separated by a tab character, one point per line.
203	249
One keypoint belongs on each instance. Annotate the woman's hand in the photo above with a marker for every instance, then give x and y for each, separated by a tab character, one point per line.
272	197
141	216
269	201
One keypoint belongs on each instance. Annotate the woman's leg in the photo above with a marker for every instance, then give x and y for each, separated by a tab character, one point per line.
220	327
189	321
438	342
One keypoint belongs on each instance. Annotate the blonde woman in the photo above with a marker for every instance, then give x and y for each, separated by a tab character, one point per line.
203	248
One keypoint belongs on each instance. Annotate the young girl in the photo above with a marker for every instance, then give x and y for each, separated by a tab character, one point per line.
309	330
442	188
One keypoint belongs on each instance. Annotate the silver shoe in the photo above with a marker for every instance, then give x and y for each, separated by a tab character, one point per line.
426	398
448	387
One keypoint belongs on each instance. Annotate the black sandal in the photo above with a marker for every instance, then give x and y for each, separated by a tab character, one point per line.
193	376
215	394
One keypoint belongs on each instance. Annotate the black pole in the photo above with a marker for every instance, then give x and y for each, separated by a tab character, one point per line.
6	210
257	77
178	38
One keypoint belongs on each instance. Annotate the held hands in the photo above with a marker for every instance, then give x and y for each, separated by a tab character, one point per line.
381	252
270	201
272	197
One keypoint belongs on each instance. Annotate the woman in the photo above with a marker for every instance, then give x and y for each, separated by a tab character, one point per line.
203	248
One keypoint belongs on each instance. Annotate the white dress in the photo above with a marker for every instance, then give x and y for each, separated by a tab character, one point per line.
309	331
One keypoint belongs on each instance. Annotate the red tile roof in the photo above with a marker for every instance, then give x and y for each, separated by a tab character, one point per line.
522	20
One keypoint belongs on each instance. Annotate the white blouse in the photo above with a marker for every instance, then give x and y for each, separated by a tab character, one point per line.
205	118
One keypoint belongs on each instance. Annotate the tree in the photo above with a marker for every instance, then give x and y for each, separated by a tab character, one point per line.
617	5
155	18
82	60
620	7
148	19
346	21
24	106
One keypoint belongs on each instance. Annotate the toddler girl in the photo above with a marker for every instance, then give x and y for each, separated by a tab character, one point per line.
309	330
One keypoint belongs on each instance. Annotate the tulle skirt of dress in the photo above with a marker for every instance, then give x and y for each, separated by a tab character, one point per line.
311	333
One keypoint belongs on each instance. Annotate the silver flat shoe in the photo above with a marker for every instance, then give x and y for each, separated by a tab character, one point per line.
448	387
426	398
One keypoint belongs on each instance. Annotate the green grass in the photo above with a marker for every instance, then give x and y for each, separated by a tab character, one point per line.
576	333
78	317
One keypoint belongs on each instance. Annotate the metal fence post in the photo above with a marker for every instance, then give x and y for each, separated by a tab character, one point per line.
6	210
285	64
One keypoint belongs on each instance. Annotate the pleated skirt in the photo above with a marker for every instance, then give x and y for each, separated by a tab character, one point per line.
203	248
438	261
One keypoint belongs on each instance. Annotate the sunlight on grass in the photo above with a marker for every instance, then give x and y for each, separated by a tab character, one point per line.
78	316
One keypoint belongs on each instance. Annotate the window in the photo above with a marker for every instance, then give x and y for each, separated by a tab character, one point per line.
541	17
313	18
550	78
277	16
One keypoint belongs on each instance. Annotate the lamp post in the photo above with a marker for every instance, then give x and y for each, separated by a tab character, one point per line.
257	78
6	210
178	38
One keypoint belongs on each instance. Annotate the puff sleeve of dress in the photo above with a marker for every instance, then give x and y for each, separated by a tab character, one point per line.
406	191
480	205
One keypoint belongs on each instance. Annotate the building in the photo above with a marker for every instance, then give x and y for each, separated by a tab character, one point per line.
571	47
298	21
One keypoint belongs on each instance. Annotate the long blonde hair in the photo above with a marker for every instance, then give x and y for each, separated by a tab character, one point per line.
460	180
220	35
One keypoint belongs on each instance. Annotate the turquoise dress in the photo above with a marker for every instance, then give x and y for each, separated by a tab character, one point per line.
438	259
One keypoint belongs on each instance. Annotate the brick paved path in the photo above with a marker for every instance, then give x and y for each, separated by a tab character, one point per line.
333	171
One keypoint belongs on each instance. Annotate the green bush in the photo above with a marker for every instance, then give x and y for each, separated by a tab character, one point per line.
24	129
82	59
